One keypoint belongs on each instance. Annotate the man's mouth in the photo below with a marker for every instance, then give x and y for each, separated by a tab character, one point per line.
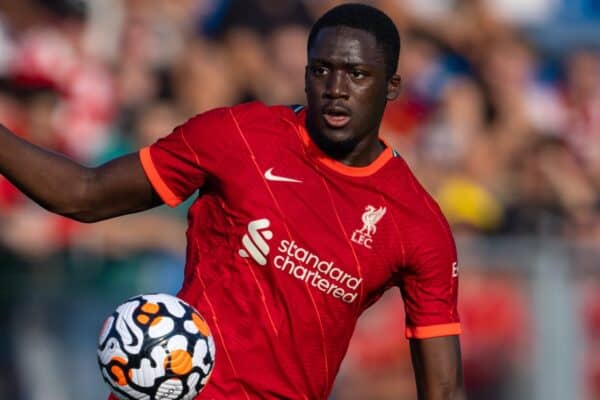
336	117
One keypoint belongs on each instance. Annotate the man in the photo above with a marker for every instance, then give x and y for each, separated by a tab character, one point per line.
306	218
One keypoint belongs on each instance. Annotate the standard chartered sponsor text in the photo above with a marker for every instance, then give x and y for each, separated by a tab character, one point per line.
321	274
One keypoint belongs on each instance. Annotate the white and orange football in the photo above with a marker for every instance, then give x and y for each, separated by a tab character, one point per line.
156	347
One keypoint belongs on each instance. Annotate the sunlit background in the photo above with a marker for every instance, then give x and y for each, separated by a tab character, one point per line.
499	118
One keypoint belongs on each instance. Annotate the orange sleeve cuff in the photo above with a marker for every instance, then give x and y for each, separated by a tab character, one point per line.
156	180
426	332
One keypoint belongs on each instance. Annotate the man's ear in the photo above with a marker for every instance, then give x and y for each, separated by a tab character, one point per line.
394	87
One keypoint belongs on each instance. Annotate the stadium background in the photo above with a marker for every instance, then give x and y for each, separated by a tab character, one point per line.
499	117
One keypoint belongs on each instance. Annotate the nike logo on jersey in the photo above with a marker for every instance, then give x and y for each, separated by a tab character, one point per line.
276	178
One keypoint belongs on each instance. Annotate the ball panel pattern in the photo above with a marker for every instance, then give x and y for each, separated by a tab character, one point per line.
155	347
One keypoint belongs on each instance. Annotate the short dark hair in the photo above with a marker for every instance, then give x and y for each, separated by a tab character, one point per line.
366	18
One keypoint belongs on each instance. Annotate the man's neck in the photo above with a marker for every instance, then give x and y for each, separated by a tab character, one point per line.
354	153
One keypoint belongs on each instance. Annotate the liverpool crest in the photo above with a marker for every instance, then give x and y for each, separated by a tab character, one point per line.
370	218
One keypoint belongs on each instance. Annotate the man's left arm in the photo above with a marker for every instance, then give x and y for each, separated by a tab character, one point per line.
437	365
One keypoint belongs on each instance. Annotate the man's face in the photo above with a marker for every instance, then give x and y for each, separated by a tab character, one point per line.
346	86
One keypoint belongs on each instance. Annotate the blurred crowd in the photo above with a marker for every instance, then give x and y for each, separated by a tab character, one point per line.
502	129
505	135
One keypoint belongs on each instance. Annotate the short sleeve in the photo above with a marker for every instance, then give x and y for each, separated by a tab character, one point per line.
430	284
181	162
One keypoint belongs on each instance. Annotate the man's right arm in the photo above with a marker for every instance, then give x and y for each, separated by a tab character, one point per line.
65	187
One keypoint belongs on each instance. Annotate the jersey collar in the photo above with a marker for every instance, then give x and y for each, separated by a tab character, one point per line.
335	165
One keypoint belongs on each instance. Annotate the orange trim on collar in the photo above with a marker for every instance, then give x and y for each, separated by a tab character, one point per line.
342	168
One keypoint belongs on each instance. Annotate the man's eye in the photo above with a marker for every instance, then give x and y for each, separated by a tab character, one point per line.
319	71
358	74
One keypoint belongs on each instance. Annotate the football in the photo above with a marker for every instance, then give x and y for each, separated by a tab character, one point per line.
156	347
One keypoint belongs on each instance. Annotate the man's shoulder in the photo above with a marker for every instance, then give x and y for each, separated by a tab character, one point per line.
401	182
244	115
260	111
398	172
267	123
251	113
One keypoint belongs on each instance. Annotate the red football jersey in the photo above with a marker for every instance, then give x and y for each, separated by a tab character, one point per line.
287	247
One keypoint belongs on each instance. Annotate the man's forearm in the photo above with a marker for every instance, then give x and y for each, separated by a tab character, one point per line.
67	188
51	180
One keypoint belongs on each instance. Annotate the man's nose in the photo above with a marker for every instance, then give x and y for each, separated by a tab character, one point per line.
336	86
